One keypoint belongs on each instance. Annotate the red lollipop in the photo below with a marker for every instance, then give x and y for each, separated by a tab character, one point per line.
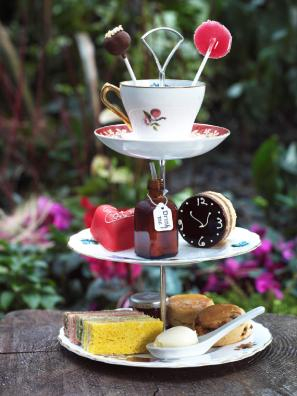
213	40
213	30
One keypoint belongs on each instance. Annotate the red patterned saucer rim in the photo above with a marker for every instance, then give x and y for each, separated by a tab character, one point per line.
201	130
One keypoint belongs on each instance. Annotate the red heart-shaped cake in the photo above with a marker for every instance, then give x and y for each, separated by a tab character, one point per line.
113	228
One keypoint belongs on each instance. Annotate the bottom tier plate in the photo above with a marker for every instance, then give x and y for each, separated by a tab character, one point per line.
258	341
239	242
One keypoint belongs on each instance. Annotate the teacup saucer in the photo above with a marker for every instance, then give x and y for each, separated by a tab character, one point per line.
202	139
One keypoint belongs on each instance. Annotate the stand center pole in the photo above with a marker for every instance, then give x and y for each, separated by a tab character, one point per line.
163	294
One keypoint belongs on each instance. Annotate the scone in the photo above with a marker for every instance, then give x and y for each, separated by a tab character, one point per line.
217	315
182	309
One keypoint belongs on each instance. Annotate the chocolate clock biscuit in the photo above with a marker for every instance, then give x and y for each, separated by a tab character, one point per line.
206	219
229	206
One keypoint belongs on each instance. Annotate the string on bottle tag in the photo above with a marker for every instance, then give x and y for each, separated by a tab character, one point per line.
150	198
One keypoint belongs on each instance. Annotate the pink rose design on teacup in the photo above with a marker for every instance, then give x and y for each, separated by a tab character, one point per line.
152	118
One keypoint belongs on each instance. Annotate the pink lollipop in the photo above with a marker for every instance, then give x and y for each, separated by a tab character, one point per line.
213	40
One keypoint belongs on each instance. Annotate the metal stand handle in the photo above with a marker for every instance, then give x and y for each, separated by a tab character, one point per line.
163	295
162	69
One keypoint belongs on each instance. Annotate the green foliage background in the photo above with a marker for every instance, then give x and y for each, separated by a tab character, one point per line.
47	119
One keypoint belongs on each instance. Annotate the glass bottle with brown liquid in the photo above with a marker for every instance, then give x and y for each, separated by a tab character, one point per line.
155	228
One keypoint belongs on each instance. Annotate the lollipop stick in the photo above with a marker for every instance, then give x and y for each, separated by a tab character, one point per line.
131	72
213	43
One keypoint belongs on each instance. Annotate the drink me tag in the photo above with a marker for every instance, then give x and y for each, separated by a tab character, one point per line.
162	218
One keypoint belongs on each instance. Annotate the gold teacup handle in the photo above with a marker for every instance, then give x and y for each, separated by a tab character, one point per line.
115	109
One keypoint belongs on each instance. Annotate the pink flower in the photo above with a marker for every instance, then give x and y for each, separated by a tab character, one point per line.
287	250
272	266
231	267
267	282
55	213
249	265
61	216
235	269
107	270
265	248
288	254
89	210
261	231
214	284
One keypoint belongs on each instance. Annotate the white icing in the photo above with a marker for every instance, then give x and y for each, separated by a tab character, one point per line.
180	223
220	225
112	32
111	216
200	242
202	225
201	200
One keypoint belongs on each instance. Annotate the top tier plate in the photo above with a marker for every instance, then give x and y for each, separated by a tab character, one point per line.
203	139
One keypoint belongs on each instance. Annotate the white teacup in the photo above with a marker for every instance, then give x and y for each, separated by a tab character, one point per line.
157	113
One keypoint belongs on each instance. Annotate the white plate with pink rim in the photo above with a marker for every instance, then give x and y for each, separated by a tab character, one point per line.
202	139
240	241
256	342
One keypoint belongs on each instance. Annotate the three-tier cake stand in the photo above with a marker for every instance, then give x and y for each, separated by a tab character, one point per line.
204	138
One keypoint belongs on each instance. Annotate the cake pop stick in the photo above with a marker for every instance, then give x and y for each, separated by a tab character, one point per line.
153	170
117	42
213	40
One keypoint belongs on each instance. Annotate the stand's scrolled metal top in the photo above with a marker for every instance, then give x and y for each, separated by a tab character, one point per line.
162	69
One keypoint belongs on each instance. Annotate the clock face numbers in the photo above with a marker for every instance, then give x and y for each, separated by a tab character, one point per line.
201	221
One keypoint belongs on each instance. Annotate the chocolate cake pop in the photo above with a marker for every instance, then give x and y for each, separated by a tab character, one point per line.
213	40
116	42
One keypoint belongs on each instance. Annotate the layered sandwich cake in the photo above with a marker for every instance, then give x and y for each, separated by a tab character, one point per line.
120	335
73	321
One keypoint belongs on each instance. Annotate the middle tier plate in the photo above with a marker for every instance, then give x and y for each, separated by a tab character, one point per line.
202	139
239	242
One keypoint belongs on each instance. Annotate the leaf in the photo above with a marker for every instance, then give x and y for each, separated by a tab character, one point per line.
6	298
49	302
149	117
266	169
3	270
94	289
32	300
